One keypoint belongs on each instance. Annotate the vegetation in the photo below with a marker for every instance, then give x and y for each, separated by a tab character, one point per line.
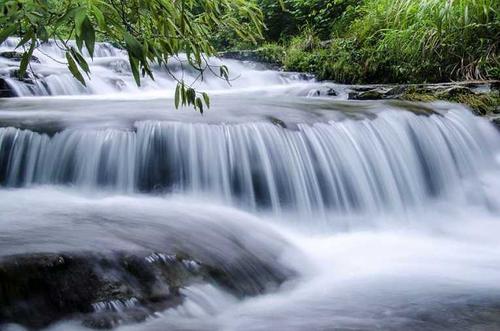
152	31
481	103
386	41
349	41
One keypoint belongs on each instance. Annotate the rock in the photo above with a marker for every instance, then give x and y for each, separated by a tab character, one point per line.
396	92
496	121
323	91
6	91
277	122
28	77
331	92
453	92
368	95
39	289
17	56
103	290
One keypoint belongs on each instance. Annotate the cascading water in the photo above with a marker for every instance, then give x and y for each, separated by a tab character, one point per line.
371	215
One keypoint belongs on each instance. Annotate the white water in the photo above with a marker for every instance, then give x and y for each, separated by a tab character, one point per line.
390	219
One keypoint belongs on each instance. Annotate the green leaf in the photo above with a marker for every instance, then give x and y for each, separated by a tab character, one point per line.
80	60
206	98
26	59
7	32
99	17
199	105
133	46
134	66
177	95
88	35
25	39
74	69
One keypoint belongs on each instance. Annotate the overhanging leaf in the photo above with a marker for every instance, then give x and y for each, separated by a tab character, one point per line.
74	69
88	35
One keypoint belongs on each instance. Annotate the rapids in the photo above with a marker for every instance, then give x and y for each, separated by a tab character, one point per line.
387	213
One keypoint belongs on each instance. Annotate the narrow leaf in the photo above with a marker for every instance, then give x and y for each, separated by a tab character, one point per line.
206	98
7	32
177	95
134	66
88	35
74	69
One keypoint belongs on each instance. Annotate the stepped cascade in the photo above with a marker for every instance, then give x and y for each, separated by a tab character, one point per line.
283	207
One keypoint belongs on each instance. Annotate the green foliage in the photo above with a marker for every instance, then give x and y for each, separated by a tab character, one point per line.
322	16
387	41
435	39
151	31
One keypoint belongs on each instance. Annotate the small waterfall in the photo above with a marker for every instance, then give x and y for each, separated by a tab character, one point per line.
394	161
110	73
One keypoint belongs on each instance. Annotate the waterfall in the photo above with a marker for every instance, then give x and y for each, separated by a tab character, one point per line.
284	206
394	161
110	73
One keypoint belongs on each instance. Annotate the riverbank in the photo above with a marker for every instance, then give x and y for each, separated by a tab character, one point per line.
481	96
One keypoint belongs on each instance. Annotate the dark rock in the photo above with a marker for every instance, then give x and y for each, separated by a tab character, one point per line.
331	92
368	95
277	122
396	91
454	91
17	56
496	121
37	290
27	77
6	91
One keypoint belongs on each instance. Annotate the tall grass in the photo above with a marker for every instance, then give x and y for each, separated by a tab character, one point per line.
457	39
403	41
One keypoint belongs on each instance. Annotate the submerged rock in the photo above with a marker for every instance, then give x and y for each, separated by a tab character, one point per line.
17	56
6	91
100	290
105	290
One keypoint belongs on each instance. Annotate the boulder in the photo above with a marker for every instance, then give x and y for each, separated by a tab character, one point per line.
375	94
100	290
17	56
6	91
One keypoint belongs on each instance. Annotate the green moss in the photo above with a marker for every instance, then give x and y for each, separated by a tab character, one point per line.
481	103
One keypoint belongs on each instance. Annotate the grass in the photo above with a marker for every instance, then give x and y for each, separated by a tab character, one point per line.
403	41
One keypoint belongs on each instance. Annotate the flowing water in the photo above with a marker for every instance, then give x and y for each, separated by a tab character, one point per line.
387	212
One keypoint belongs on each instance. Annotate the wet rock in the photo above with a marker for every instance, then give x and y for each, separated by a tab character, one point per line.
37	290
105	290
28	77
396	92
6	91
323	91
496	121
331	92
17	56
367	95
277	122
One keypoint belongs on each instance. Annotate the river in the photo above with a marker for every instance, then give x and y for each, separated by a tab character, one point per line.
383	215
